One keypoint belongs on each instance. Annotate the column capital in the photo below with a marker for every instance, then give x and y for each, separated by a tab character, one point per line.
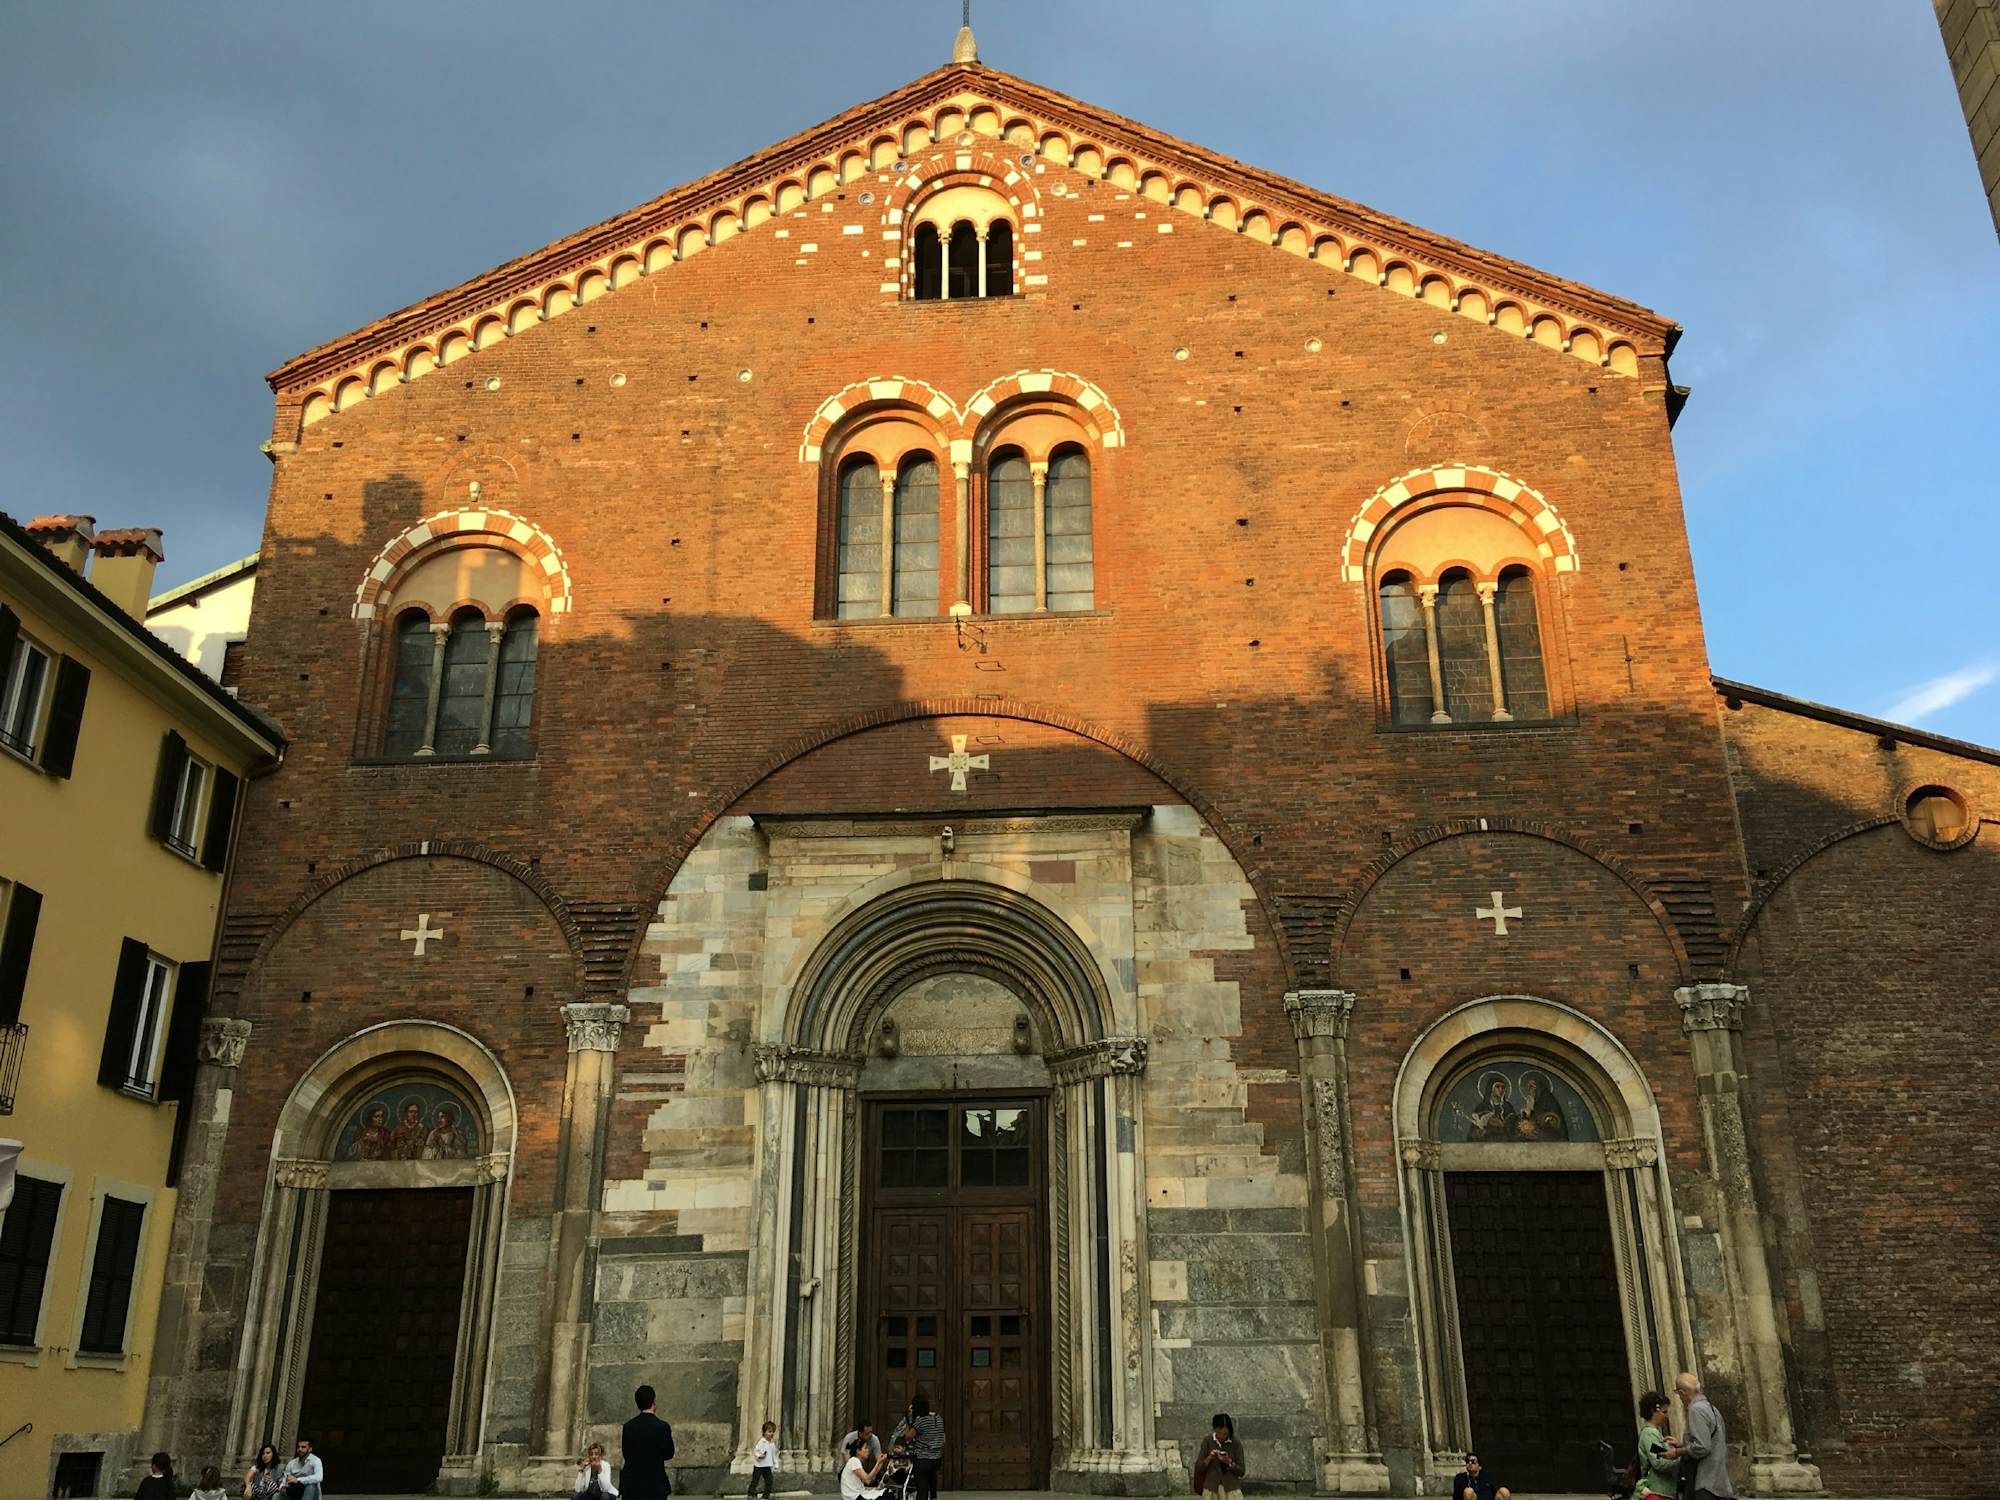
1630	1152
1319	1013
299	1173
1104	1058
1487	592
1427	594
595	1025
441	630
222	1041
496	628
1423	1155
783	1063
1712	1007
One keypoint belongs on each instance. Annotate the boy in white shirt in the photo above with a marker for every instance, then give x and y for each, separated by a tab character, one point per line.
764	1461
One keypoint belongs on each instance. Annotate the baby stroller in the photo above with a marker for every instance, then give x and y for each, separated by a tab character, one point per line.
896	1477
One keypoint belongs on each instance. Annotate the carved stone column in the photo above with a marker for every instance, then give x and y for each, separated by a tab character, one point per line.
180	1415
1488	592
440	634
595	1028
1427	596
495	629
1350	1454
1712	1018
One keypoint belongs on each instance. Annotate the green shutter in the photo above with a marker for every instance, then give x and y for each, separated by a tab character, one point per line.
184	1032
221	818
128	994
167	784
65	717
24	910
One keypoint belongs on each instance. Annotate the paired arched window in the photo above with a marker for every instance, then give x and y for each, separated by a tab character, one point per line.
1038	533
1462	650
887	544
466	687
961	245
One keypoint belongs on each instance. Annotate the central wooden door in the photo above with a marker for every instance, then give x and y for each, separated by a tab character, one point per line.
1545	1370
378	1381
953	1299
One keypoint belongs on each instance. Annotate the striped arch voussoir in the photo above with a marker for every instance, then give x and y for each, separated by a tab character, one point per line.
530	539
962	423
1500	493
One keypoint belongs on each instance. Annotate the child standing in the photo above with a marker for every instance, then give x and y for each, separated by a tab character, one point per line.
764	1461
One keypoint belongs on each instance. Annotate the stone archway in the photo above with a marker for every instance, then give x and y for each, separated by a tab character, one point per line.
324	1144
801	1333
1611	1142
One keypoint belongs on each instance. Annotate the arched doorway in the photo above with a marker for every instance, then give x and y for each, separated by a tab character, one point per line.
1537	1212
372	1305
942	1201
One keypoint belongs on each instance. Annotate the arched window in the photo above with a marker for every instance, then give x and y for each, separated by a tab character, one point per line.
999	259
926	265
462	694
859	564
1406	649
1010	535
962	268
1524	678
916	539
1071	581
514	685
1463	666
410	692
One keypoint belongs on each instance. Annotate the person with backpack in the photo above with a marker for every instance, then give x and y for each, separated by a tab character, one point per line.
1659	1459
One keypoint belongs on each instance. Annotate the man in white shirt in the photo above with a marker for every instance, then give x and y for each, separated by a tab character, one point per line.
304	1473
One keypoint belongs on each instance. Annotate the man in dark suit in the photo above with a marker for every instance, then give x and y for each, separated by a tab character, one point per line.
648	1444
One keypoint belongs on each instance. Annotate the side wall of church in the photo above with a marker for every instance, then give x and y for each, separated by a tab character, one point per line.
1871	960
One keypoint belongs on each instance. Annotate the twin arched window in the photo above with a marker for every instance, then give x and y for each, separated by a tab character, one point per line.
888	539
1038	542
1462	650
466	687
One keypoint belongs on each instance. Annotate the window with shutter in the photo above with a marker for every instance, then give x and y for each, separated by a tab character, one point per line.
184	827
221	820
27	1235
21	696
128	993
112	1267
58	755
167	785
17	942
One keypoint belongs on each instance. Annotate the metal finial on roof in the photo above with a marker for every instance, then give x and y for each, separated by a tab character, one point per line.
965	49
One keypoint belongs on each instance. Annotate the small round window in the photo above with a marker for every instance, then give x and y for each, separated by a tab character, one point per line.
1937	816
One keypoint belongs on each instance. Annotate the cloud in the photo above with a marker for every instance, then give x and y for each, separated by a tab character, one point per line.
1939	693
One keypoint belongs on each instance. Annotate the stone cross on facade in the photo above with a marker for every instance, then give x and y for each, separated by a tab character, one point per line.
1497	913
958	763
423	932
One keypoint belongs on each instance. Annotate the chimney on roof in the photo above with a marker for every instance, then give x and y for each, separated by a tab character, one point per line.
125	562
69	537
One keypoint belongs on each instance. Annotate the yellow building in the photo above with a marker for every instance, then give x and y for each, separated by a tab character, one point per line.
121	767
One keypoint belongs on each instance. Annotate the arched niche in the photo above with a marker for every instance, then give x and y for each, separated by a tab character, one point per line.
317	1150
1599	1117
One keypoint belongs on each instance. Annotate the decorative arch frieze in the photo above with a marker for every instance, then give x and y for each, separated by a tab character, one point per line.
1356	894
501	525
1503	494
1005	131
960	427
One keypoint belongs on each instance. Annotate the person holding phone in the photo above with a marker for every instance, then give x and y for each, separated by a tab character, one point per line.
1218	1467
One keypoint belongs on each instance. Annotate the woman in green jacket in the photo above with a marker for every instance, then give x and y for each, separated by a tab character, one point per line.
1659	1451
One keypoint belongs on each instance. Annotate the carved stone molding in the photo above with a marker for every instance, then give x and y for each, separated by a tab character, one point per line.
1319	1013
294	1173
493	1166
595	1026
1100	1059
222	1041
788	1064
1628	1153
1326	1120
777	826
1423	1155
1712	1007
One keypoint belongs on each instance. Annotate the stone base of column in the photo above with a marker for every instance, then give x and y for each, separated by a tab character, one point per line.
1112	1471
1353	1474
464	1474
1784	1476
544	1474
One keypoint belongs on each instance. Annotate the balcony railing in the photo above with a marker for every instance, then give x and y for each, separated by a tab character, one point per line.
13	1042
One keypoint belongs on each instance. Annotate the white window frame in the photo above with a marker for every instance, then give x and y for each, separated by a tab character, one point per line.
61	1179
13	691
190	799
131	1192
156	1003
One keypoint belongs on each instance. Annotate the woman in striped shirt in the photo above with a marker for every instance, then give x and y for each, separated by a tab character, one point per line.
926	1449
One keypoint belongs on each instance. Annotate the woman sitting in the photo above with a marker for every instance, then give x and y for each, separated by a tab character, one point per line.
858	1481
593	1477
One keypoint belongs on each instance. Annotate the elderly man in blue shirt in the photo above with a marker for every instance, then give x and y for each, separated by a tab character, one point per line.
1706	1441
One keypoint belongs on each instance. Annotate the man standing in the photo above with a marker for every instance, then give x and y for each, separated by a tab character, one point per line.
1706	1442
304	1473
648	1444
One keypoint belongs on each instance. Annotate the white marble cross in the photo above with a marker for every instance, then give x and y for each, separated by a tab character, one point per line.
958	762
1498	913
423	932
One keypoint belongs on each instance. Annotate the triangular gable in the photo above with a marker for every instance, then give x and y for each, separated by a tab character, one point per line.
969	103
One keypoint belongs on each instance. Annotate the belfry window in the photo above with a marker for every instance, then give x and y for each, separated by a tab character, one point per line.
961	245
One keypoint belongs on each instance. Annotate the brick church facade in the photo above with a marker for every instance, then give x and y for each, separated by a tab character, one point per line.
992	753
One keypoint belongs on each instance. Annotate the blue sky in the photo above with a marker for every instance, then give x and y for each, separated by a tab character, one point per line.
195	192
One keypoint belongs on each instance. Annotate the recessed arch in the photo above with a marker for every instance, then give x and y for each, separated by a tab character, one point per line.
503	526
1474	485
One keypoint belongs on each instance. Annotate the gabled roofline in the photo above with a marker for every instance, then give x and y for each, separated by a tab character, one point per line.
695	200
207	580
155	665
1886	729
